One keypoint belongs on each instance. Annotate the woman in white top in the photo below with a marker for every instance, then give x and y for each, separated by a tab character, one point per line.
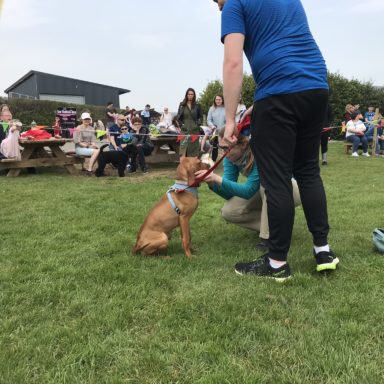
355	134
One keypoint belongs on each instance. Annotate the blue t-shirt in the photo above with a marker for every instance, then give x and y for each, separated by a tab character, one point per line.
280	48
370	116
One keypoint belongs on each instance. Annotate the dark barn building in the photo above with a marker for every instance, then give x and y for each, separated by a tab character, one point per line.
44	86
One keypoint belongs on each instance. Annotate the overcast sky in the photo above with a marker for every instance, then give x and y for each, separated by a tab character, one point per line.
158	49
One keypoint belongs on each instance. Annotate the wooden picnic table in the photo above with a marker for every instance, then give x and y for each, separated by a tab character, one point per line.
41	153
159	155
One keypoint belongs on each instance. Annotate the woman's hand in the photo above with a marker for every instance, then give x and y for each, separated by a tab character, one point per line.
211	179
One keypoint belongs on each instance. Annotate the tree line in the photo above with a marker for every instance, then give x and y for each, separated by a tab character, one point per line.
342	92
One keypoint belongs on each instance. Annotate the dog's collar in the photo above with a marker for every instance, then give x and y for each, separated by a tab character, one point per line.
179	186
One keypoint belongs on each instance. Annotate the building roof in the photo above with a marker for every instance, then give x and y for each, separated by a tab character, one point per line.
32	72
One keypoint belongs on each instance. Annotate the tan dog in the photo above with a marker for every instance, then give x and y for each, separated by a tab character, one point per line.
174	209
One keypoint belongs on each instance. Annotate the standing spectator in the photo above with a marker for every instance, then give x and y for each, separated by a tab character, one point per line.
56	127
98	125
142	141
127	111
216	122
291	75
146	115
355	134
189	116
131	115
325	135
241	108
369	115
110	112
85	141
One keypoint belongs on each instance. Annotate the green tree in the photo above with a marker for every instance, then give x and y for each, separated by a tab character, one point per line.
215	87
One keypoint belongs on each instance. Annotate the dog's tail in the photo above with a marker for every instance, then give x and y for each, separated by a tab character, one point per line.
103	147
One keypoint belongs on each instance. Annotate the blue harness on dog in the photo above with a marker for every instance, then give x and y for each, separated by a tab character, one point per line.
177	188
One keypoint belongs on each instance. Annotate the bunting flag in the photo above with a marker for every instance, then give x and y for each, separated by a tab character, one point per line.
180	137
5	126
194	138
71	130
100	133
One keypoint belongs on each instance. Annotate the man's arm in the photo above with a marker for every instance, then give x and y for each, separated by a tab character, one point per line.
232	81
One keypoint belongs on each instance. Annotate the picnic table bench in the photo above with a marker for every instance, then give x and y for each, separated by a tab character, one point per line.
41	153
348	146
159	155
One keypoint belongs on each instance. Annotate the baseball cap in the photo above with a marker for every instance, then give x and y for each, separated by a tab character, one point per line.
85	115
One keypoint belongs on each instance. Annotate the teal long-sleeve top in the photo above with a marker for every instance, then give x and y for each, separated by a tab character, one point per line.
230	187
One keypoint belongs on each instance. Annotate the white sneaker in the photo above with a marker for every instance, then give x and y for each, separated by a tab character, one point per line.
165	147
355	154
366	154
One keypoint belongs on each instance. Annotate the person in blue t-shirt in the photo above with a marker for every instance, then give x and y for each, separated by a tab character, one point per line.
289	107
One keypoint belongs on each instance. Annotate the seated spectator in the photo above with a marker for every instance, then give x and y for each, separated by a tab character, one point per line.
246	204
165	120
142	141
114	132
5	118
120	138
355	129
9	147
85	141
172	130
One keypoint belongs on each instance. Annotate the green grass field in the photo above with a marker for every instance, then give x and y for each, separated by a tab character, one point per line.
77	307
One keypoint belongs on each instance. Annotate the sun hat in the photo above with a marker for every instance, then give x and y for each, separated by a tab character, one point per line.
85	115
378	239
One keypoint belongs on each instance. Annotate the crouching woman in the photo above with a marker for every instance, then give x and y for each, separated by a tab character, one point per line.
246	203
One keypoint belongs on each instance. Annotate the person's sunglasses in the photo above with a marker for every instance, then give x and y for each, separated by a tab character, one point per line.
121	119
124	129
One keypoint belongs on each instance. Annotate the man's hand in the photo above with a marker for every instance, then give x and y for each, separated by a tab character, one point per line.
230	133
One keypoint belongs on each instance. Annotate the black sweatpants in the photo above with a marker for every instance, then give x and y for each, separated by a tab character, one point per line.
285	141
324	141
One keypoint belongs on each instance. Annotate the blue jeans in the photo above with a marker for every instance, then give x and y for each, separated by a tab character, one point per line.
369	136
356	141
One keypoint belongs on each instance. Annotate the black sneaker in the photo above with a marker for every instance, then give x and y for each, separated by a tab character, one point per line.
144	170
325	261
262	244
262	268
